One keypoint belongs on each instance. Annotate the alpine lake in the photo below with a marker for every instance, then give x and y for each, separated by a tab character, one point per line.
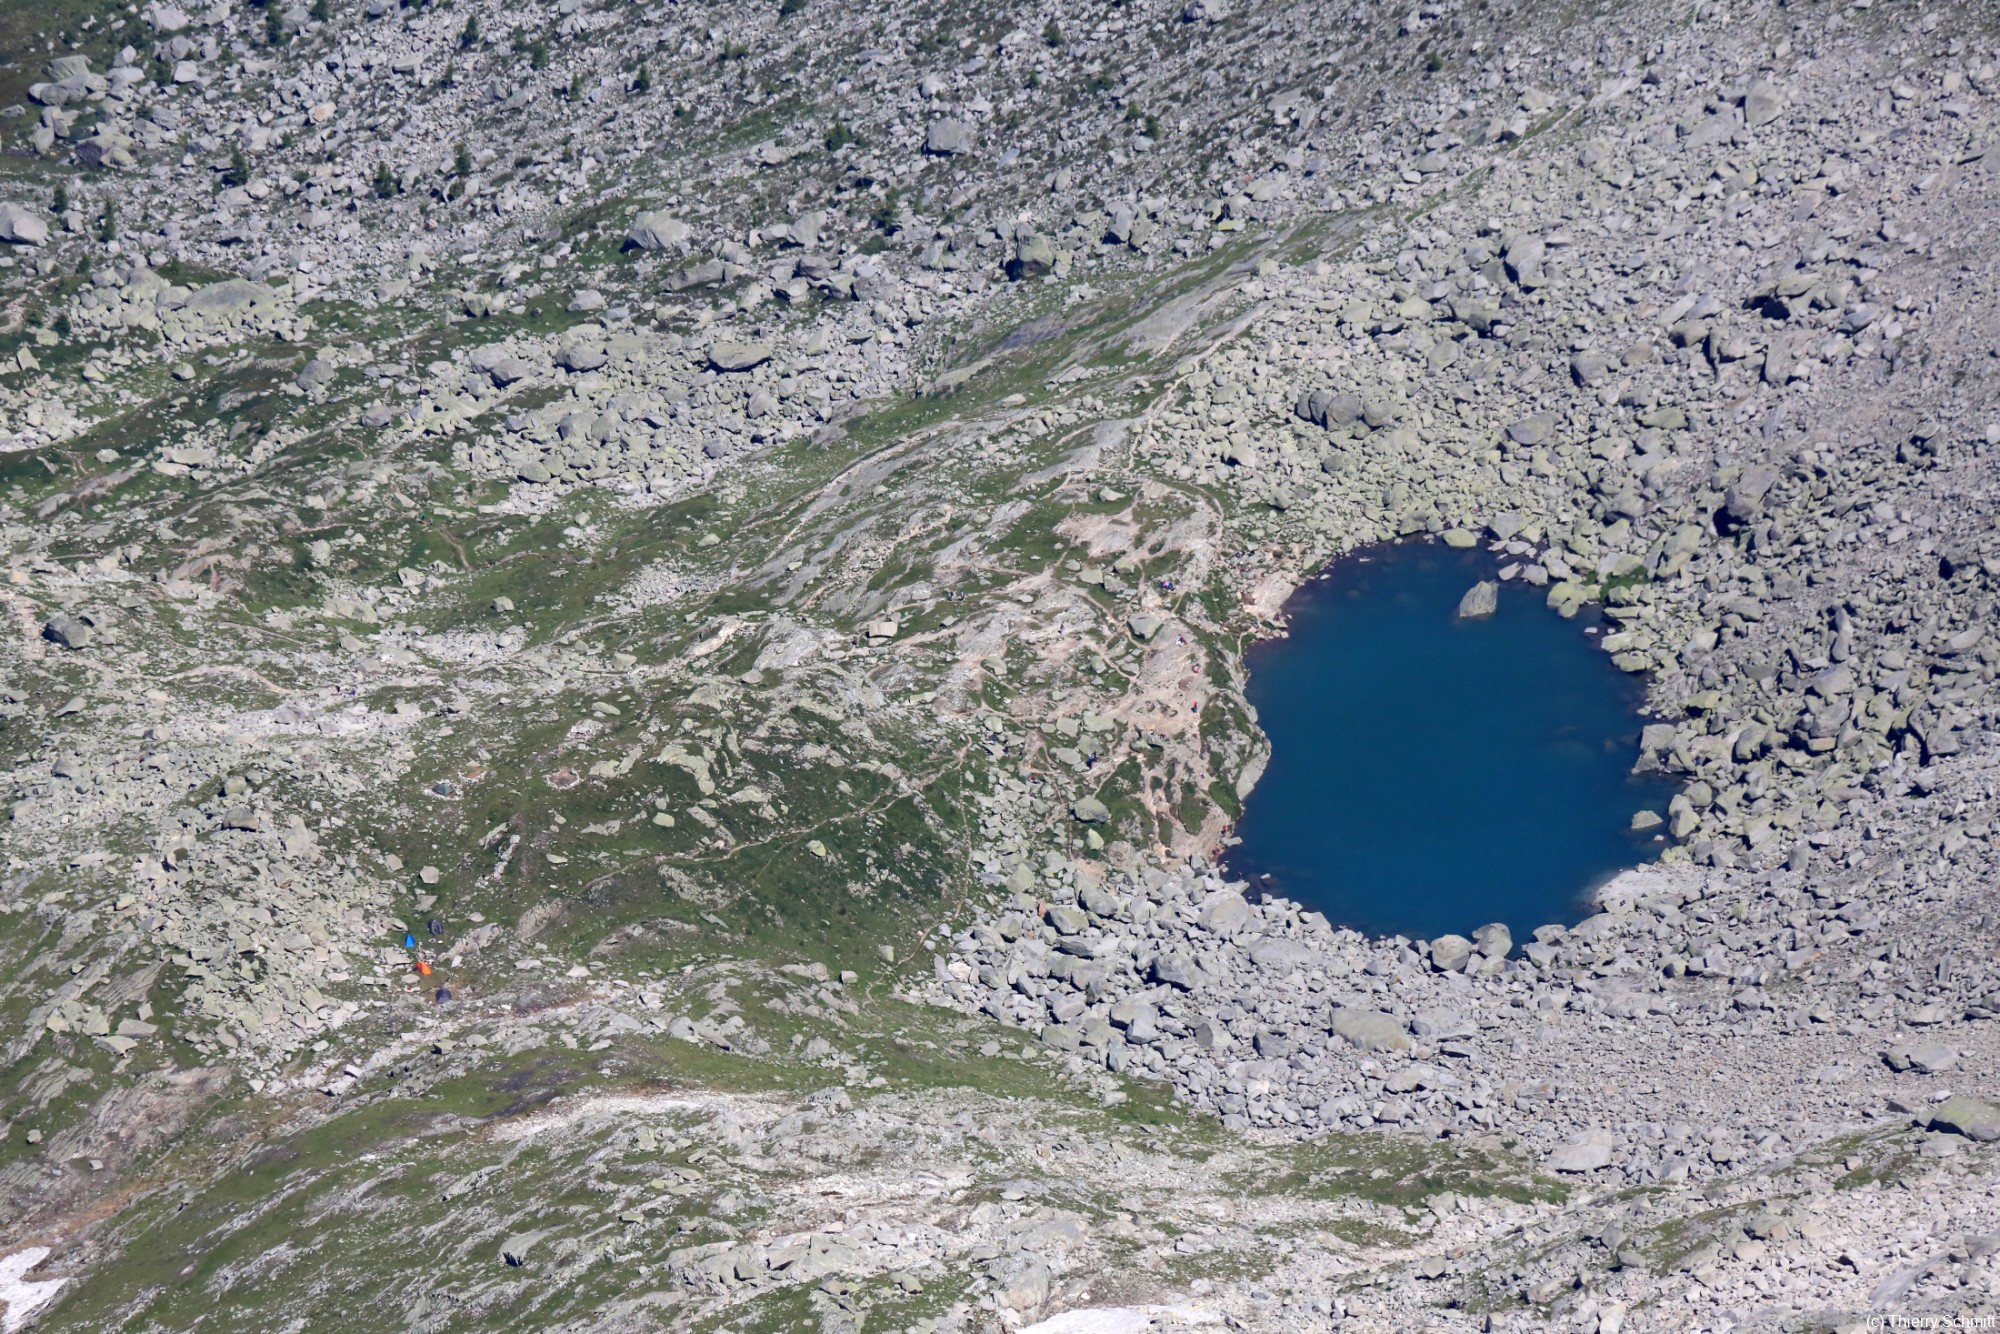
1430	773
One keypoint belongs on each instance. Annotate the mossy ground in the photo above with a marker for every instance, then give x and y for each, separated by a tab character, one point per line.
403	1190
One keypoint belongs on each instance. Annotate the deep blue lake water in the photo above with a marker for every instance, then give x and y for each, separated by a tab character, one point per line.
1430	774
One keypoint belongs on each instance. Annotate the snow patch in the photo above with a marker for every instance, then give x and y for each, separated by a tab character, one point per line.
21	1297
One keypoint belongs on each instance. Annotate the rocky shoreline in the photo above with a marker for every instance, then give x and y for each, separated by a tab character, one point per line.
1660	437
